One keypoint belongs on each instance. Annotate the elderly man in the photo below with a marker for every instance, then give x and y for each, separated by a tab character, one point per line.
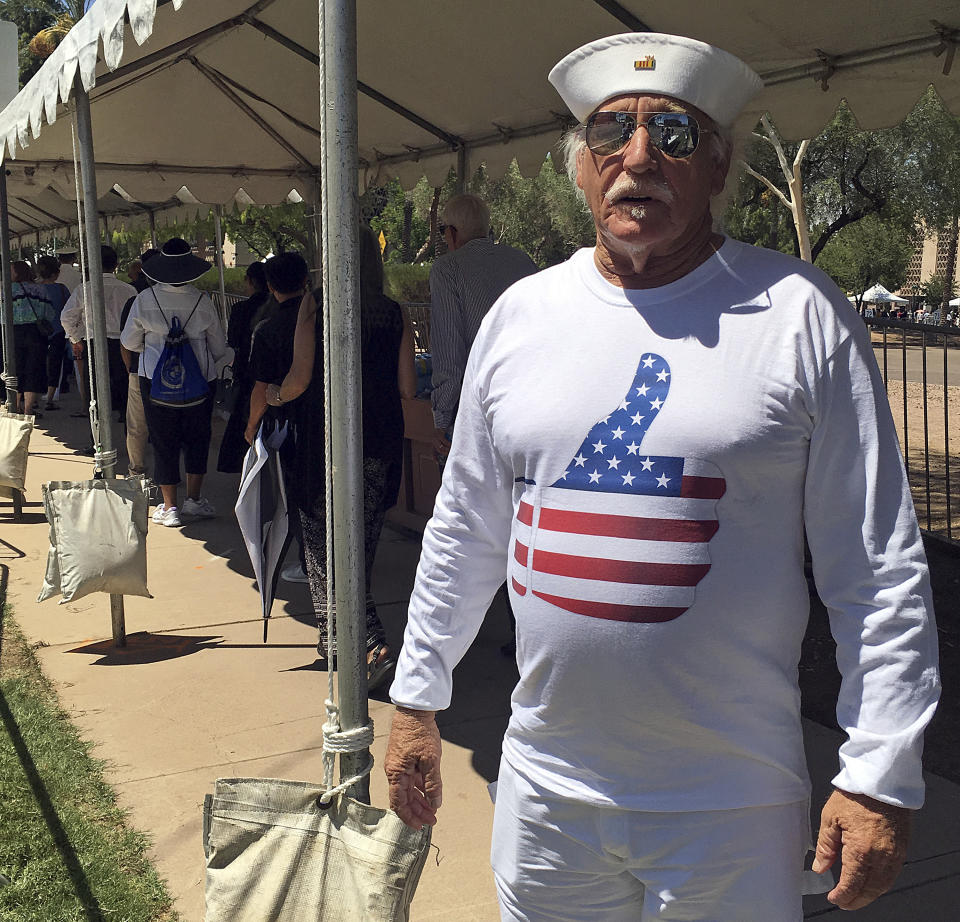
651	523
464	283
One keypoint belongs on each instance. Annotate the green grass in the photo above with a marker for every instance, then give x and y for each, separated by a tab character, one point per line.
64	843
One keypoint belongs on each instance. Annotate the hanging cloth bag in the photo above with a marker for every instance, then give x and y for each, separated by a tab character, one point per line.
177	380
98	538
14	449
276	853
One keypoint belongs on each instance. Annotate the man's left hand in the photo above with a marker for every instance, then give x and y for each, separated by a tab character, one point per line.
250	435
870	838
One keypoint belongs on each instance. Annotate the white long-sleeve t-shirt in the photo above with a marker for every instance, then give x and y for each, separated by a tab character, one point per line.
74	317
640	466
149	322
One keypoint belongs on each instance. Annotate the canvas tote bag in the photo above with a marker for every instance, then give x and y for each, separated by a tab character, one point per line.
14	449
98	538
276	854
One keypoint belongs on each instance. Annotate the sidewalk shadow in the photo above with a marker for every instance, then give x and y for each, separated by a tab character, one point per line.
143	647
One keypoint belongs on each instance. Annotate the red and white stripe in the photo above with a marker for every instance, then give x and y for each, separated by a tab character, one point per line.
618	556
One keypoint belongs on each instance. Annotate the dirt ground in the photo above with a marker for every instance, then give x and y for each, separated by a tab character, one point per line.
933	435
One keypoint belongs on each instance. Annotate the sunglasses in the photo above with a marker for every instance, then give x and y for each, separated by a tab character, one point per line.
675	134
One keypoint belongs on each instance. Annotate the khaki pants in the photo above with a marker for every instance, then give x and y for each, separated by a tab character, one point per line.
136	429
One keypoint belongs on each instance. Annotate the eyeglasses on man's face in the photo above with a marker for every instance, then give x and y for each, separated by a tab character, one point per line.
675	134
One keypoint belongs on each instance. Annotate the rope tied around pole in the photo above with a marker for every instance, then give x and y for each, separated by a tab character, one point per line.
337	742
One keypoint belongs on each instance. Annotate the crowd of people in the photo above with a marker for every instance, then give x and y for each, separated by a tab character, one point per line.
272	350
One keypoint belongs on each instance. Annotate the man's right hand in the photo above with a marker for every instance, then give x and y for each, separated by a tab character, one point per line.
412	765
441	444
77	350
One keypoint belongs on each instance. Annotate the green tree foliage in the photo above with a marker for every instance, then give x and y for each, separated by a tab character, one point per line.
867	252
269	229
541	215
31	17
935	156
847	174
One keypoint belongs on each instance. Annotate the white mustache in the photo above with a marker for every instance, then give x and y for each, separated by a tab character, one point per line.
627	187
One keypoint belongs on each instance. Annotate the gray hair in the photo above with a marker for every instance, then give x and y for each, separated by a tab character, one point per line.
469	214
724	141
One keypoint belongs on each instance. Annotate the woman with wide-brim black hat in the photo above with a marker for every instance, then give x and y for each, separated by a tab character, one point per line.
177	430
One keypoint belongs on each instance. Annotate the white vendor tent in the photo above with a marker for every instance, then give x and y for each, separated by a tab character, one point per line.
880	295
219	94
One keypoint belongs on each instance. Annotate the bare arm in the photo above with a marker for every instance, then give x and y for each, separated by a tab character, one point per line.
258	406
406	371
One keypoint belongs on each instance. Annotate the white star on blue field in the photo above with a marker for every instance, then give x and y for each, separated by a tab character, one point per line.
611	459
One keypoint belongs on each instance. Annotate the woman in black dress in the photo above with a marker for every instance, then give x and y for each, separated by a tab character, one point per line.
387	373
244	318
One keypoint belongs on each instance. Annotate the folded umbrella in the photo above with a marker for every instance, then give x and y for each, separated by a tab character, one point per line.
263	514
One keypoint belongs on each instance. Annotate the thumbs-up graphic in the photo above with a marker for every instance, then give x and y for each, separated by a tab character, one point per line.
620	534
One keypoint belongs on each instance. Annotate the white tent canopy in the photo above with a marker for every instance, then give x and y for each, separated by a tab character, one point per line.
880	295
223	94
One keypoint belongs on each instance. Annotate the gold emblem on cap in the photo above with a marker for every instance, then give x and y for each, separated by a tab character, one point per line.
647	63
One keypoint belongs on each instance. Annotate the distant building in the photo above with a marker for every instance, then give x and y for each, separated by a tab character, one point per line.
929	259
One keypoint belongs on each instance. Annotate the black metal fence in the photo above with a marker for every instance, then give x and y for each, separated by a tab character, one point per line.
920	364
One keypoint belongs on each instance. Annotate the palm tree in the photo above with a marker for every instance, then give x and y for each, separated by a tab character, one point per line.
45	42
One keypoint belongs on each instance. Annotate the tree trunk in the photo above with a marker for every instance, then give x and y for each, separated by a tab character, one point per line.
948	289
405	255
434	210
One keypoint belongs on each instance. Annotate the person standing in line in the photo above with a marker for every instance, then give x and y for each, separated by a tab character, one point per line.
387	375
233	445
177	430
464	283
33	322
138	435
69	273
79	327
651	522
48	268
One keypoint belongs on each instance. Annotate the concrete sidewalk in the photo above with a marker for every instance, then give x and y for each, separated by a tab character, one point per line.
196	696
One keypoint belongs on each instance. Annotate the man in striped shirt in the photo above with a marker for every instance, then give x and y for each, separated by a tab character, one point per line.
464	283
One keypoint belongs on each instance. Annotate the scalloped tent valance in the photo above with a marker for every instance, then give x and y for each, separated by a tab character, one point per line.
223	94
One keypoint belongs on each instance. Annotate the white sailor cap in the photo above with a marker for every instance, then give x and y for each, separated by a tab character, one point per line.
653	63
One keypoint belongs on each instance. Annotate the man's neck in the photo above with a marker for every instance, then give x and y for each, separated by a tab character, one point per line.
637	267
282	299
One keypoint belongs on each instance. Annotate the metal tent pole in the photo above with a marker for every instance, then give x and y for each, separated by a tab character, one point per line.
338	149
9	360
96	312
218	233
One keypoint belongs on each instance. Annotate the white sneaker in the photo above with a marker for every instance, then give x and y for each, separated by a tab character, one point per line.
294	574
199	507
169	516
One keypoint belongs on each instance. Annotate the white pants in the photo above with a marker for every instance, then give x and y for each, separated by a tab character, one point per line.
557	860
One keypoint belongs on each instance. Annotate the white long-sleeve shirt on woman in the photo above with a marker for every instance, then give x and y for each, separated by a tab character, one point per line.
641	466
149	322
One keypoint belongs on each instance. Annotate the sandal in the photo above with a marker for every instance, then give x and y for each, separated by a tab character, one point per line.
51	407
380	666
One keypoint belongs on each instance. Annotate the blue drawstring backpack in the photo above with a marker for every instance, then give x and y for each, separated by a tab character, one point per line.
177	380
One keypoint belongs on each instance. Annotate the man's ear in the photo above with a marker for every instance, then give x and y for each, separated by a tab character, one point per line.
580	166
